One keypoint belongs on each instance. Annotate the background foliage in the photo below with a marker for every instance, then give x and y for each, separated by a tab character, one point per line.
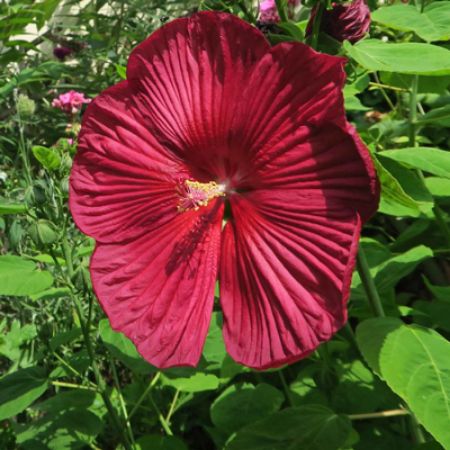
70	382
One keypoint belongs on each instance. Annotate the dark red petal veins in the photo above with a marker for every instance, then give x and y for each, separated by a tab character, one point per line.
290	87
188	76
122	182
323	162
159	289
285	276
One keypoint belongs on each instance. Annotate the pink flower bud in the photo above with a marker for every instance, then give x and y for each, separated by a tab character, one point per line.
268	13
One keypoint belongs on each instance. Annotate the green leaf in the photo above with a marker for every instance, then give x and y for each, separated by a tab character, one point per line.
409	58
214	350
414	362
410	182
426	84
439	187
70	429
121	71
11	342
156	442
123	349
309	427
240	405
432	160
437	117
51	294
19	277
431	25
198	382
394	200
20	389
48	157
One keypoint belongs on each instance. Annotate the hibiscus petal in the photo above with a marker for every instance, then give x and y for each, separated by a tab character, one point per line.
123	182
189	76
292	86
286	267
322	161
159	289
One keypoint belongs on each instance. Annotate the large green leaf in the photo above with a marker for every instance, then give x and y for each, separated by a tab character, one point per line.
123	349
48	157
394	200
197	382
413	58
19	277
240	405
309	427
439	187
214	350
431	25
20	389
432	160
415	363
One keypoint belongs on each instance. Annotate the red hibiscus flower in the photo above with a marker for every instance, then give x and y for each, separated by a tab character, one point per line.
212	122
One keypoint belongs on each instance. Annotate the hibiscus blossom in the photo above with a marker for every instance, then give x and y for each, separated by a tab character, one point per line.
212	124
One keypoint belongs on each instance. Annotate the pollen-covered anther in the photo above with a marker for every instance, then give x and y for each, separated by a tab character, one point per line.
193	194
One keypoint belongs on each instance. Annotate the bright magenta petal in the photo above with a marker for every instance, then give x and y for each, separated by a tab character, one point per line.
123	183
189	76
159	289
286	267
323	162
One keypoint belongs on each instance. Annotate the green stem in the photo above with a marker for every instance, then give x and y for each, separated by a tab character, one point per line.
23	145
102	387
152	383
121	400
281	7
73	386
316	25
161	418
416	430
248	15
369	283
172	406
440	218
380	414
413	111
286	389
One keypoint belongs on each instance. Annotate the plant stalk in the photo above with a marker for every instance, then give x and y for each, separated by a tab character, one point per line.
369	284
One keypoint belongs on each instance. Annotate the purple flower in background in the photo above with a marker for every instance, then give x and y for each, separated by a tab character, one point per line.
70	102
268	12
62	52
349	21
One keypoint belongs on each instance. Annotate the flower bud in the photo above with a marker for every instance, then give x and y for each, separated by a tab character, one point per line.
268	12
62	52
348	21
25	106
43	232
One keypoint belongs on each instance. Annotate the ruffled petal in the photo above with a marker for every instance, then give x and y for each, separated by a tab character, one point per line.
159	289
188	77
323	161
286	267
123	182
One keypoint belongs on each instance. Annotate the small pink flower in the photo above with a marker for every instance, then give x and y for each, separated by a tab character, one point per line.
70	102
268	12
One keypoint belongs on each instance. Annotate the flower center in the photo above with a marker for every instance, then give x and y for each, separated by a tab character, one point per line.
193	194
